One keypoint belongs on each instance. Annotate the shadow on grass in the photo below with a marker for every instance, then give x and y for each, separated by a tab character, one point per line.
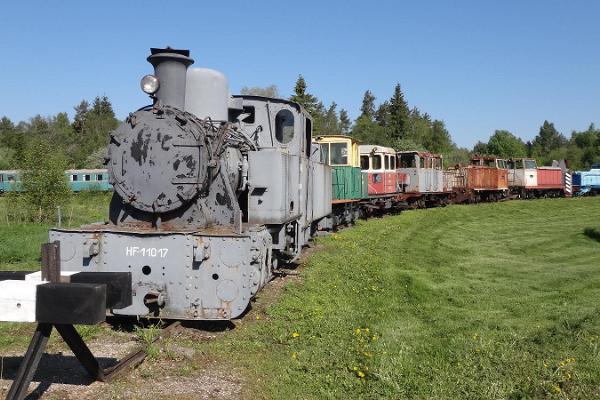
592	233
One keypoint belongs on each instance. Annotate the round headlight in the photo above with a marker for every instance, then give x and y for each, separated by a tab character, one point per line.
149	84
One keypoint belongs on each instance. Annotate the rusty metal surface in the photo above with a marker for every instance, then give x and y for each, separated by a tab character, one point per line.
482	178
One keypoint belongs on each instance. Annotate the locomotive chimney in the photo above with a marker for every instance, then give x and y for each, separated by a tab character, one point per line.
170	67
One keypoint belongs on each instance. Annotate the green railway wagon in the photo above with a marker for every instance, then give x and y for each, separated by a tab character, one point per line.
348	183
341	152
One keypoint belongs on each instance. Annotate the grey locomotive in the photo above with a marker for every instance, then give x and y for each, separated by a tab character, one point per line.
212	191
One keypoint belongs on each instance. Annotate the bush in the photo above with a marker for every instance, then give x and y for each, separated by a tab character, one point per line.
43	184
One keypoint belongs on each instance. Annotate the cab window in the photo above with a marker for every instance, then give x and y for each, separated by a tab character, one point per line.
376	161
519	164
308	135
407	161
364	162
393	162
339	153
324	153
284	126
530	164
387	162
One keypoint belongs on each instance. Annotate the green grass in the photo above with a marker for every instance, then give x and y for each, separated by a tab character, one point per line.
487	301
20	242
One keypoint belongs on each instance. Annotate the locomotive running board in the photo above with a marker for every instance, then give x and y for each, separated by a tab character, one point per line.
50	299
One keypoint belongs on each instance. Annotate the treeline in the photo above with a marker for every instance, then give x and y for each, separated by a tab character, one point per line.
79	143
395	124
390	123
581	150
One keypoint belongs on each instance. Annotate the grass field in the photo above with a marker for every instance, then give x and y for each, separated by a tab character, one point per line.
496	301
20	243
489	301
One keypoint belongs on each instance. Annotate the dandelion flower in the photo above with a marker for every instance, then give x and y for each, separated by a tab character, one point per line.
295	334
360	374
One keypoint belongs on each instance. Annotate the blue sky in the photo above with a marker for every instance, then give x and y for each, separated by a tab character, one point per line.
477	65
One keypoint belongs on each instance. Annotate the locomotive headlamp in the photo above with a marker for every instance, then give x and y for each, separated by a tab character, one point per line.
150	84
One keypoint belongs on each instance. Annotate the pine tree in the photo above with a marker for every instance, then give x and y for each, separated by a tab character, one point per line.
305	99
331	125
398	114
81	113
382	115
367	109
344	122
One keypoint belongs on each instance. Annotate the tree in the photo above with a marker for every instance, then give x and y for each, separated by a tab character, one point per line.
367	109
480	148
269	91
439	141
382	115
344	122
305	99
366	131
43	181
398	111
7	158
506	145
81	112
330	124
584	148
547	140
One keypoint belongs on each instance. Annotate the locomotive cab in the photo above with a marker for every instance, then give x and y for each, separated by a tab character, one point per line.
342	154
424	170
522	173
380	165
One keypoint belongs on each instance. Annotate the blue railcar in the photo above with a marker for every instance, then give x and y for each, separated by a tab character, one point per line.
587	182
78	180
88	180
9	180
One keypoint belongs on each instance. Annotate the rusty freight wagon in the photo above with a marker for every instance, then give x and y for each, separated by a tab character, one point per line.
484	179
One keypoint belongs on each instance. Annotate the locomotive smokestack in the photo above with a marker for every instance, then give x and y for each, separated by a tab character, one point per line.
170	67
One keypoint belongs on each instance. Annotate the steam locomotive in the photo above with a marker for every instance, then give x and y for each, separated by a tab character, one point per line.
211	192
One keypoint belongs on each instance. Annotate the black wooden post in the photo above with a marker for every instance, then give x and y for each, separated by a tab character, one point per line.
51	262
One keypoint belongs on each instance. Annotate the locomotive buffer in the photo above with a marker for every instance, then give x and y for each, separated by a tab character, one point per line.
62	300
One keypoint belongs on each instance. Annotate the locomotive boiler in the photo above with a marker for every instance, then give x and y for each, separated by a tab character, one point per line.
211	192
